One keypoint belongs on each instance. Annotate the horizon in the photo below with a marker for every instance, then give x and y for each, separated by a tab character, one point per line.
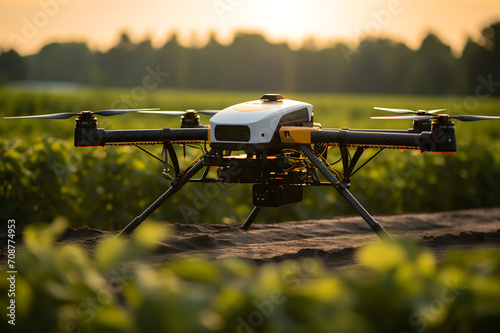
28	25
309	42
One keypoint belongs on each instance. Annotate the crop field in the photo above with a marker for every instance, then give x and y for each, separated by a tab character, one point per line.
43	176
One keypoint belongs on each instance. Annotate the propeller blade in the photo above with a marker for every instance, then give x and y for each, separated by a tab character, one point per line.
414	118
65	115
402	111
208	112
474	118
180	113
170	113
436	110
115	112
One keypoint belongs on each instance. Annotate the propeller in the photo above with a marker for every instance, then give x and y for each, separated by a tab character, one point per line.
67	115
428	117
423	115
180	113
408	111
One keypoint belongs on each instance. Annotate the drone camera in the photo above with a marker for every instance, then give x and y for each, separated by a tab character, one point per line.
276	195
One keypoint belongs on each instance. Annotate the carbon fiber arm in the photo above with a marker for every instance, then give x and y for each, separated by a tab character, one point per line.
440	140
98	137
369	138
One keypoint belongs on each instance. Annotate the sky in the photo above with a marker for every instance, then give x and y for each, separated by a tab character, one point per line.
27	25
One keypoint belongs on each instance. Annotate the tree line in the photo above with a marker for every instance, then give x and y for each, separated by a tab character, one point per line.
250	62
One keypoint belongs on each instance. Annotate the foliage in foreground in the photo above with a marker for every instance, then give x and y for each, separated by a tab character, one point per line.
394	289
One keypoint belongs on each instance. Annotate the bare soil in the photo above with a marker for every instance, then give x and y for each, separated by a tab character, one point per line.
333	241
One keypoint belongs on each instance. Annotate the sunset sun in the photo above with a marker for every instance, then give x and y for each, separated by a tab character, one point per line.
282	18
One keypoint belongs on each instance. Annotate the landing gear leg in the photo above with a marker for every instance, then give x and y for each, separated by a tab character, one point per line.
344	192
255	211
176	186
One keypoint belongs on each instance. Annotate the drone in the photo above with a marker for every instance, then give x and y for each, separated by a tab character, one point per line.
272	143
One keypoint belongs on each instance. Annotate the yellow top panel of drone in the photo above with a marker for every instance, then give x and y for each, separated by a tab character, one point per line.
251	107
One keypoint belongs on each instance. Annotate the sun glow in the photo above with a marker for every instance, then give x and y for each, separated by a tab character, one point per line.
283	19
297	20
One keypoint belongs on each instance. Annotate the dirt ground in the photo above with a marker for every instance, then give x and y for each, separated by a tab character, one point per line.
332	241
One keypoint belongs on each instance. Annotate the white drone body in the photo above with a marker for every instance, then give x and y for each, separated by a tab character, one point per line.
258	122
